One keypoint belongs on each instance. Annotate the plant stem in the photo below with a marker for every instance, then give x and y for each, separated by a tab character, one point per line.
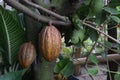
109	74
109	47
109	71
91	51
87	70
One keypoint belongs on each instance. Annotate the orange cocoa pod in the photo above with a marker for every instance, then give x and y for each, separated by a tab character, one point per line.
50	42
27	54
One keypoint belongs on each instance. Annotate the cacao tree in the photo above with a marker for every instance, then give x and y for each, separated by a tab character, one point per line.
76	20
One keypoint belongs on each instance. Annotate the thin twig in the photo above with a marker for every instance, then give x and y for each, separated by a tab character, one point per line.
116	51
116	62
93	26
89	75
63	18
109	74
88	57
91	50
109	71
86	61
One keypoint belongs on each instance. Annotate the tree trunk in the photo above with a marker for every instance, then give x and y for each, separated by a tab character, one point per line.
77	66
44	70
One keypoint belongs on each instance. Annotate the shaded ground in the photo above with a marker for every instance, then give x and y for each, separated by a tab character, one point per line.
100	76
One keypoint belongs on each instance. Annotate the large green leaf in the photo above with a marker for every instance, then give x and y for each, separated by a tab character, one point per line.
93	71
77	22
11	36
17	75
93	34
117	76
68	70
77	35
96	6
111	10
93	59
58	3
116	19
64	67
87	2
61	64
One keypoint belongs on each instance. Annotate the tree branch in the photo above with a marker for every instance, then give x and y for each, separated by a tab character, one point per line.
37	17
46	10
93	26
44	19
111	57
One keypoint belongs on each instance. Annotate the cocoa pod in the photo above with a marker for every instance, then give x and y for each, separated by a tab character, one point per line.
50	42
27	54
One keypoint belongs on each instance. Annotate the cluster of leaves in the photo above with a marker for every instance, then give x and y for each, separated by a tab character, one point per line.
64	67
11	37
94	11
12	34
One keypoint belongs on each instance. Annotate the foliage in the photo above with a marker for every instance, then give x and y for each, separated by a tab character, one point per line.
66	52
64	67
117	76
93	71
12	36
58	3
16	75
95	7
93	58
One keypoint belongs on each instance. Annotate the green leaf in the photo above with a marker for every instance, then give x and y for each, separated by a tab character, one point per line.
112	11
118	8
93	71
64	67
96	6
77	35
107	43
87	2
93	34
93	59
100	17
117	76
67	50
60	65
68	70
77	22
82	12
58	3
12	36
17	75
104	55
115	18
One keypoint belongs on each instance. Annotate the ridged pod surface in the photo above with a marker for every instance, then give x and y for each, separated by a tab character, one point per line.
27	54
50	42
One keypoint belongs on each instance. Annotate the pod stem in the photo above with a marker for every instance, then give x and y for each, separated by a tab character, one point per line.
50	23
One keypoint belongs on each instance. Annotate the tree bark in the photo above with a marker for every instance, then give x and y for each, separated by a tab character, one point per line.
44	70
77	66
110	57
